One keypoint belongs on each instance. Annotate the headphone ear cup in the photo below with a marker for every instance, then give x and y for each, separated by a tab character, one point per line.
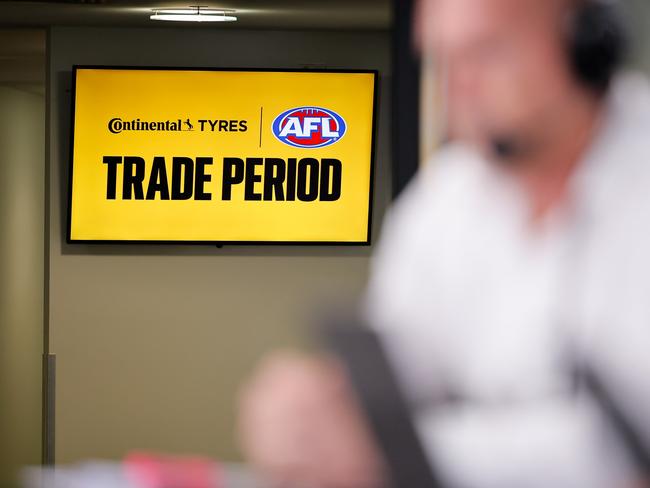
597	43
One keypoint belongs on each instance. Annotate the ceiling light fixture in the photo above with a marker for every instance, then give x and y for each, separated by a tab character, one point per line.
195	13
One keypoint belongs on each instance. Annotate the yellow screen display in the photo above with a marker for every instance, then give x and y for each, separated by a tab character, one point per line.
225	156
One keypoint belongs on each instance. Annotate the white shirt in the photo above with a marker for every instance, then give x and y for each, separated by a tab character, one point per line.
473	302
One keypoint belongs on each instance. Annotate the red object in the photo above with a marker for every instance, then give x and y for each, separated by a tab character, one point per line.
160	471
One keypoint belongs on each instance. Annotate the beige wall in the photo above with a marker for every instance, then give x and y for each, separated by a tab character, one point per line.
151	342
638	12
22	141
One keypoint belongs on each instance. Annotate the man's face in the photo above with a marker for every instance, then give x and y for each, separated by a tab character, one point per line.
504	61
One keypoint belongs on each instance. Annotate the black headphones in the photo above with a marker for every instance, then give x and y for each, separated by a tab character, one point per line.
597	41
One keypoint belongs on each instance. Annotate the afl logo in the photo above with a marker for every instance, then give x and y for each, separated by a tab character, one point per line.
309	127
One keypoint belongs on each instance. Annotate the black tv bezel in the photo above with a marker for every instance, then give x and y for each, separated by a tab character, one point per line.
375	107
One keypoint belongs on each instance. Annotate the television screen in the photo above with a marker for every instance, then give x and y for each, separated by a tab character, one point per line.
221	156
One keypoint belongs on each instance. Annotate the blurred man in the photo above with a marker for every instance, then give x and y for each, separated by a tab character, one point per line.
520	252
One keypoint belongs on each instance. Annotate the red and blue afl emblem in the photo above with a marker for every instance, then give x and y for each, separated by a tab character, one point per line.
309	127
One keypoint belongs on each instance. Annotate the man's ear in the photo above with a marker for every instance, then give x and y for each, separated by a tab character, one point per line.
422	15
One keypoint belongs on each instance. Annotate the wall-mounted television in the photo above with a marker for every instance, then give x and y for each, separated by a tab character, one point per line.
189	155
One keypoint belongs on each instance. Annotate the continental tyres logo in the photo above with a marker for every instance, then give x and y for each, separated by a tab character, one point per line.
309	127
118	125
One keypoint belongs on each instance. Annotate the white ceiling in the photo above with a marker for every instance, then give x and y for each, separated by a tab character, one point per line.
22	37
253	14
